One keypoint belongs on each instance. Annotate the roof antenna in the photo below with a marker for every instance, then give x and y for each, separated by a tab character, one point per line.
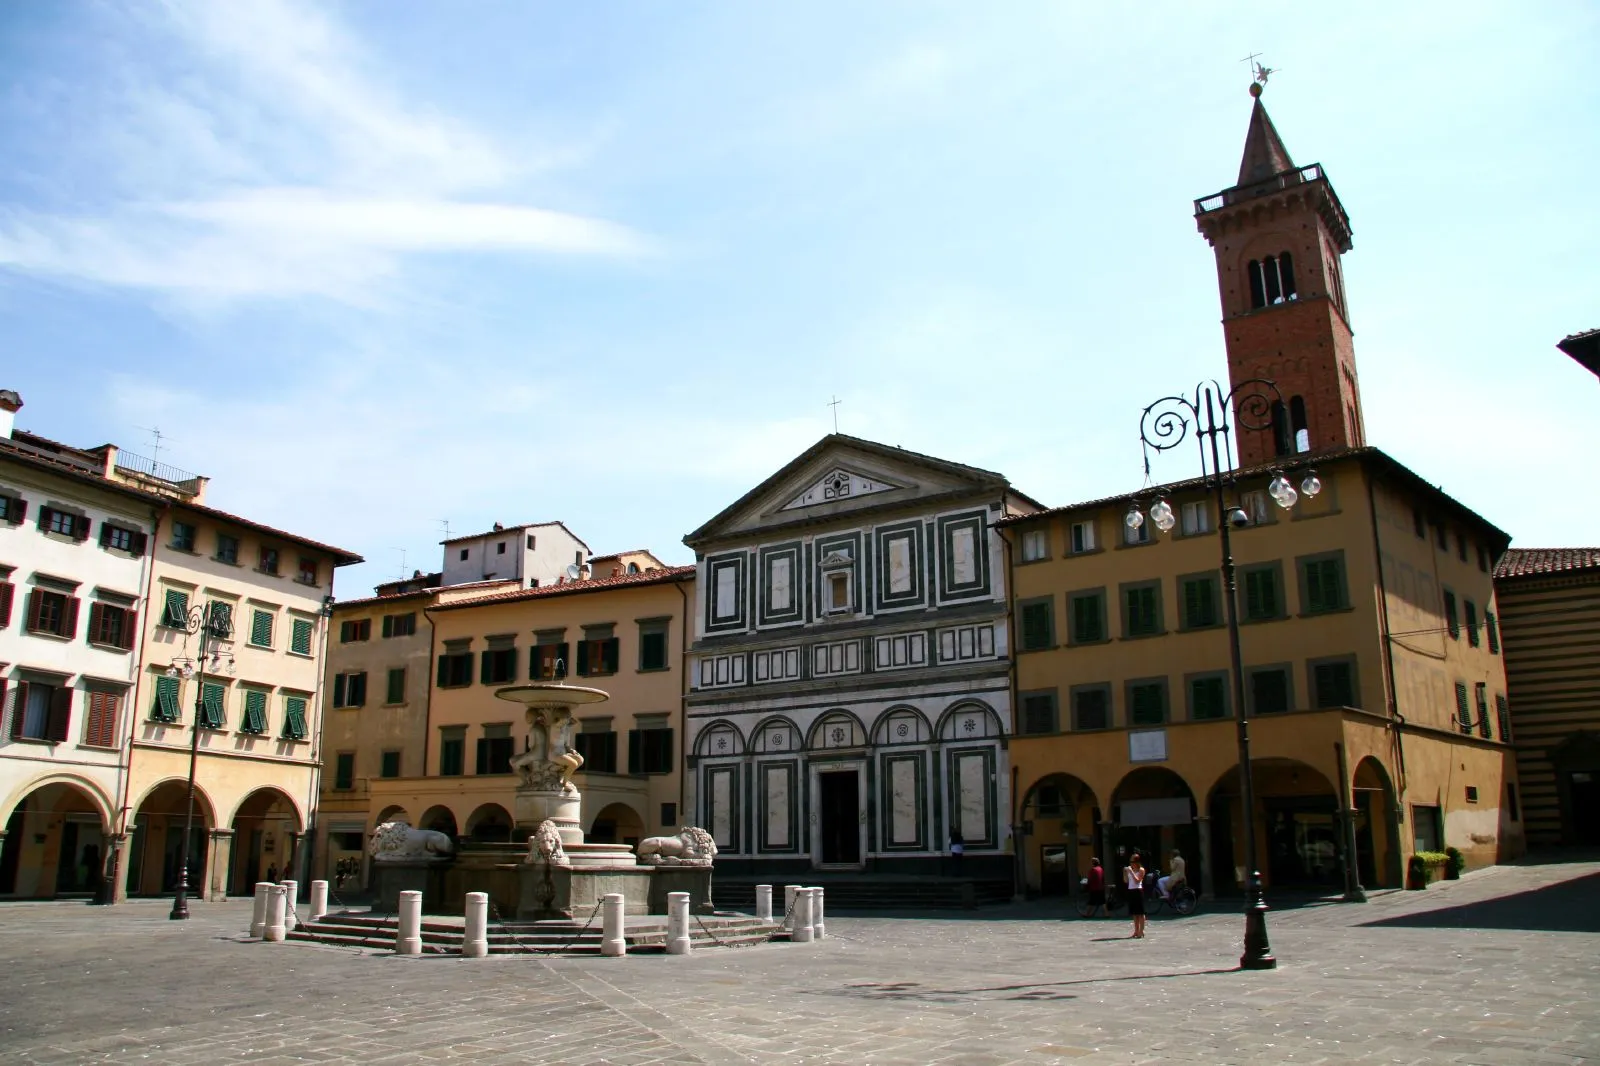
835	405
155	445
402	552
445	522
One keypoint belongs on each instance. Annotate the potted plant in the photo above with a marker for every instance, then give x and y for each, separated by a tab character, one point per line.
1424	868
1455	862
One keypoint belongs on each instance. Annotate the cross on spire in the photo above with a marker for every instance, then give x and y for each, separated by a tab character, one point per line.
834	403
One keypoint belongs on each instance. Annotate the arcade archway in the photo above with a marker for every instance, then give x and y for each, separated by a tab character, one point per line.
156	840
1296	825
1060	814
617	823
55	845
266	835
490	823
1153	812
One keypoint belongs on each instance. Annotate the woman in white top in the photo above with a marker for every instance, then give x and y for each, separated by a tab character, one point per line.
1133	882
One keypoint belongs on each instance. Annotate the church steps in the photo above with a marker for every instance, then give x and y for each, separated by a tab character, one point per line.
512	938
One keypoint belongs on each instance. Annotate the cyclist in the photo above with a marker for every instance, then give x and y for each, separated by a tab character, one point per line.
1176	875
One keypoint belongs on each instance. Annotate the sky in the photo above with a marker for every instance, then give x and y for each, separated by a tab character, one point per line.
375	267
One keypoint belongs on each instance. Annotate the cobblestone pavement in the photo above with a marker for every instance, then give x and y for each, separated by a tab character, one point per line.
1501	967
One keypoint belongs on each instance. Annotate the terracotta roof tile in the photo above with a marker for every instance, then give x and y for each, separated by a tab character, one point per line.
567	588
1527	562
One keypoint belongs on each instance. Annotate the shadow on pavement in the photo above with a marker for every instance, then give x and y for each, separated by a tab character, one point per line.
1033	990
1568	907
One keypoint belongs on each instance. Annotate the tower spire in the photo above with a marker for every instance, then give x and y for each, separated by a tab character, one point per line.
1264	153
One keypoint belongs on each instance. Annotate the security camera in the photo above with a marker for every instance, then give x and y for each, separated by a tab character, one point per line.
1237	518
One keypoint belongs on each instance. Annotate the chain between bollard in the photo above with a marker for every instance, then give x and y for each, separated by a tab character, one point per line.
498	919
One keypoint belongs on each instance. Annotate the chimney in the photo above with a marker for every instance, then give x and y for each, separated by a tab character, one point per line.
616	571
10	404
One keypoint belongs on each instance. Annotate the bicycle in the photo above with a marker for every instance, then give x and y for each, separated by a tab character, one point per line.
1183	902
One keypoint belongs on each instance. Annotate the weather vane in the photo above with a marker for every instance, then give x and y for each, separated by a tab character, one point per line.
1262	73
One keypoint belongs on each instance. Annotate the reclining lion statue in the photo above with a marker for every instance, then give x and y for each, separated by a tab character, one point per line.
397	842
691	847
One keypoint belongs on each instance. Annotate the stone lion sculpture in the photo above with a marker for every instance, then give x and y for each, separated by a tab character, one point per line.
397	842
545	845
691	847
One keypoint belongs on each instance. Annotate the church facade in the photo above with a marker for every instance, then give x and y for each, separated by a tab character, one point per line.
849	694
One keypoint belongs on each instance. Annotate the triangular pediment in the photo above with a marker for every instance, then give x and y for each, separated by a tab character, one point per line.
840	484
841	475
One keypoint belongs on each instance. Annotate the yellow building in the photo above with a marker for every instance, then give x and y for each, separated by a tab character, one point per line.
257	696
1370	670
623	632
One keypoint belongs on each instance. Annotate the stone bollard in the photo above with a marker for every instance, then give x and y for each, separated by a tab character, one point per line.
408	937
801	933
612	941
789	894
475	937
817	930
319	901
291	896
678	942
274	930
258	917
764	902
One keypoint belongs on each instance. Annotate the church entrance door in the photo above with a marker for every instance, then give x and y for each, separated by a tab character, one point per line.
839	803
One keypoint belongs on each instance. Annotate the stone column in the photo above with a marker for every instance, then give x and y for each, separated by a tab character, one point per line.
613	942
408	937
1208	880
291	898
116	863
219	864
274	931
818	931
802	932
1353	892
678	942
764	902
1397	850
790	894
258	916
1107	858
319	900
475	935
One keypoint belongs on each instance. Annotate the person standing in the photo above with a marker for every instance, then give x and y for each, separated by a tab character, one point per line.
1096	887
958	848
1133	881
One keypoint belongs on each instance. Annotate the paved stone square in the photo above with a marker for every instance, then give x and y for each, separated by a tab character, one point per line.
1501	967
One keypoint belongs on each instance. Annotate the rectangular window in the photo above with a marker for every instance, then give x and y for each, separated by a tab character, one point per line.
463	555
63	522
227	549
599	751
1418	524
1481	698
1334	684
1491	629
1141	610
653	645
1035	545
1196	518
111	626
1201	606
1322	586
1139	534
1147	702
307	574
1091	707
1461	546
495	749
344	771
255	712
547	661
355	631
212	713
41	712
7	594
839	598
1083	538
452	751
350	690
598	656
1502	713
1037	623
1263	598
1039	712
1440	537
532	541
220	619
1483	559
650	751
1208	698
52	612
1451	622
396	692
1269	691
120	538
100	731
1254	505
455	669
300	636
261	629
166	707
400	625
1471	610
183	536
269	561
499	666
390	765
13	509
1512	809
1463	709
1088	618
294	718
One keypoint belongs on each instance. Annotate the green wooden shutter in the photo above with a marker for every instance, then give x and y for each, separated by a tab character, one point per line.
340	686
1493	630
583	658
176	612
211	714
300	637
261	629
1450	615
1463	712
1147	705
611	655
166	708
1472	622
388	625
1481	698
255	712
357	692
221	620
485	658
635	751
397	685
294	717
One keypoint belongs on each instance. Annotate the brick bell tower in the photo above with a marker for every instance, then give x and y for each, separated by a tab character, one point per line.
1278	235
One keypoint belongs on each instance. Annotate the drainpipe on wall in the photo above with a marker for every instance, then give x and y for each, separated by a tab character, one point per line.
1396	719
427	701
1353	892
1019	874
683	711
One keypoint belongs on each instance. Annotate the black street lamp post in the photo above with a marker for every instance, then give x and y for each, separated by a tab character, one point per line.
1165	424
212	622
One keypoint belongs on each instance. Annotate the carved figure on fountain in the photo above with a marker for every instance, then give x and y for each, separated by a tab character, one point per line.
545	846
692	846
399	842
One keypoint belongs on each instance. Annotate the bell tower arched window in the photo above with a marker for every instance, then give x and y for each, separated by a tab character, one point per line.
1280	428
1297	422
1271	280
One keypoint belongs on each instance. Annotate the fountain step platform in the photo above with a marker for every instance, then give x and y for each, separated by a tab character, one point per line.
442	935
850	892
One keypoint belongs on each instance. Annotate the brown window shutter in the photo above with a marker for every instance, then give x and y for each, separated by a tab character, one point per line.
44	517
80	527
105	534
35	601
6	591
19	709
96	615
60	714
69	619
3	685
141	543
130	628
